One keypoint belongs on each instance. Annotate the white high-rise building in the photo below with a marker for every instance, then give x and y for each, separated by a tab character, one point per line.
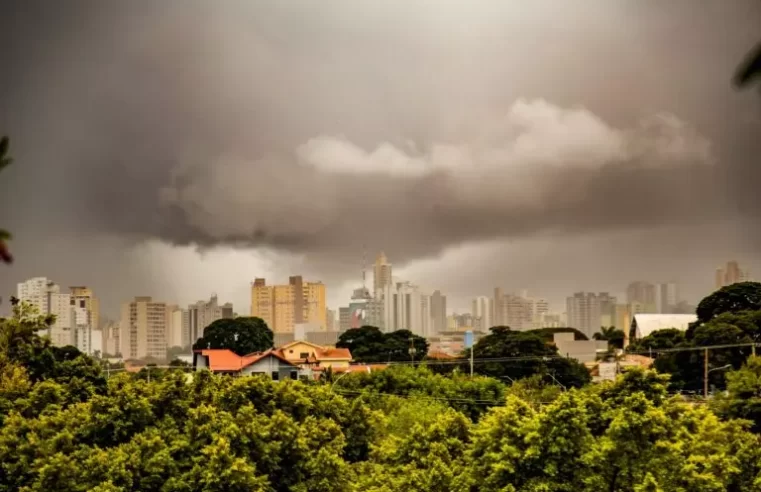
404	308
174	326
381	275
666	298
483	309
46	296
588	312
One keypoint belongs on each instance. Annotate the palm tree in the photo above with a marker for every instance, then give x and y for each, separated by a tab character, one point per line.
5	161
614	336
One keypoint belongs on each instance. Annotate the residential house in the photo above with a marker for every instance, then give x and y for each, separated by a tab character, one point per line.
313	356
223	361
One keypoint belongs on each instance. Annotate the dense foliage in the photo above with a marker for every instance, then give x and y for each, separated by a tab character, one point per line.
65	427
243	335
369	344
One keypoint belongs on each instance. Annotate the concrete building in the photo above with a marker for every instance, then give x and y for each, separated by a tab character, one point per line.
202	314
666	299
642	293
438	309
143	329
382	275
174	326
84	297
111	335
581	350
519	311
587	311
331	321
270	364
282	306
451	343
730	274
344	319
483	309
403	309
45	295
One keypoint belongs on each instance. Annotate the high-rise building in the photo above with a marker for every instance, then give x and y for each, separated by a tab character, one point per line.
381	275
283	306
731	274
202	314
174	326
344	319
518	311
403	309
143	329
438	310
46	296
84	297
330	320
643	293
483	309
587	311
499	308
666	299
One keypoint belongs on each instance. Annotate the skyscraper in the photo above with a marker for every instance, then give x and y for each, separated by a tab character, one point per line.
381	275
666	298
46	296
202	314
403	309
84	297
588	311
283	306
483	308
438	306
143	329
731	274
643	293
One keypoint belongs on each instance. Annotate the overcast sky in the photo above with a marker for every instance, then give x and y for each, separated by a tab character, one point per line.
179	148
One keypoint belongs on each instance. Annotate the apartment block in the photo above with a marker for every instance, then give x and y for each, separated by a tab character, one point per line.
283	306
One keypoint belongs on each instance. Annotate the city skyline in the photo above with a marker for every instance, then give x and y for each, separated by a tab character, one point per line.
477	167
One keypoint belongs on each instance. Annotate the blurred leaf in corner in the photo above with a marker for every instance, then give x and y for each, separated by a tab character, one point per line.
5	160
750	68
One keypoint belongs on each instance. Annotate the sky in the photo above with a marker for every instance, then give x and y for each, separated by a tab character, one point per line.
182	148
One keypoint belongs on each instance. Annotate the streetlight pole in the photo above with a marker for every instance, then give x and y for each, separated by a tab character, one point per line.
707	372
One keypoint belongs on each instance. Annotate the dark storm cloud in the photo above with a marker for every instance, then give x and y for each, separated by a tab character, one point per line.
408	126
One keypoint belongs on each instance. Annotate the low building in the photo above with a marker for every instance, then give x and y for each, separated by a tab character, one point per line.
270	363
581	350
451	343
311	355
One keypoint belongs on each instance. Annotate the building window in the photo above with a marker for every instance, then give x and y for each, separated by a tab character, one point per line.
294	375
304	355
275	376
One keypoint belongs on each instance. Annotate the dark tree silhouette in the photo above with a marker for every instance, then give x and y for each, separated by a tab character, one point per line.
5	161
242	335
750	68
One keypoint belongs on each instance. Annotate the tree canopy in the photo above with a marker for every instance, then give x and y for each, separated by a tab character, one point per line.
369	344
242	335
613	336
5	161
742	296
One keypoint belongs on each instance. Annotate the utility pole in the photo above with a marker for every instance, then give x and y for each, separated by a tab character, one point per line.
705	374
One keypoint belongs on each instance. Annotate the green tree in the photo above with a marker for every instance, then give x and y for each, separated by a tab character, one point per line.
667	338
743	399
742	296
612	335
368	344
243	335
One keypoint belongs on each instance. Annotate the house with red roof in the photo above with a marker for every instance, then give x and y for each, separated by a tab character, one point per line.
270	363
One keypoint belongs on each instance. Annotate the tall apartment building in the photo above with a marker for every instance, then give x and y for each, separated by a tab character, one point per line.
588	312
643	293
438	310
283	306
330	320
46	296
143	329
666	298
175	328
483	309
84	297
730	274
404	309
518	311
381	275
344	319
202	314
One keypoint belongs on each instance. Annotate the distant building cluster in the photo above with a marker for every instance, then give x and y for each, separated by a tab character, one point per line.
297	312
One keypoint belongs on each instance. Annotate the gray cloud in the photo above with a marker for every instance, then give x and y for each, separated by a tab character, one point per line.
407	126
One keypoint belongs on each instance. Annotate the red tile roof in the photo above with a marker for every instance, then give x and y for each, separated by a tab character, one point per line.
225	360
334	353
